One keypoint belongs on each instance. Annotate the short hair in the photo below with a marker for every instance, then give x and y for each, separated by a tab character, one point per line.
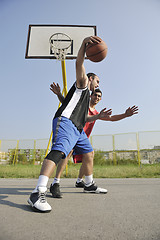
97	90
91	75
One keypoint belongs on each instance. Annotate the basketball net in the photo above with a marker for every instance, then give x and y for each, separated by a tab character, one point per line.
59	44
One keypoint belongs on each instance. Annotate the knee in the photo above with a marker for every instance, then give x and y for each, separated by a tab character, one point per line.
89	156
55	156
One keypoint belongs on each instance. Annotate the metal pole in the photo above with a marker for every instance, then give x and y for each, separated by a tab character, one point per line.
114	153
34	152
64	77
63	65
91	140
138	149
49	144
63	92
15	154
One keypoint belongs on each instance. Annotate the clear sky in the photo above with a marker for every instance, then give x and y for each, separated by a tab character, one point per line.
129	75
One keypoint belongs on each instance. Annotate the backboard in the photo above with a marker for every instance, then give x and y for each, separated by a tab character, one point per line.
40	36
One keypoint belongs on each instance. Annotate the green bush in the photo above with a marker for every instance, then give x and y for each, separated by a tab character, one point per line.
126	161
11	156
22	159
99	158
19	158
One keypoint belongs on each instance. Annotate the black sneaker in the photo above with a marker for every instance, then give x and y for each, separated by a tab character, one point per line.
94	189
38	201
80	184
54	189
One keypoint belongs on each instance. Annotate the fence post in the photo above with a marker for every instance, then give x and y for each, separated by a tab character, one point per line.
15	154
138	149
114	152
34	152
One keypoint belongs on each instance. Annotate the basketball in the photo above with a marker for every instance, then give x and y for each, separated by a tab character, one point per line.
96	52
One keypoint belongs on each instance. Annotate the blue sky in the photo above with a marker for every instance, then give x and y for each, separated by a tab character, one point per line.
129	75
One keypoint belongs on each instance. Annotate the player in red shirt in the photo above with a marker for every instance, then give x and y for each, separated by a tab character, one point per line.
96	96
89	125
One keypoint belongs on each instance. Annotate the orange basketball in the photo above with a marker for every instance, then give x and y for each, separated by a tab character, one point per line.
96	52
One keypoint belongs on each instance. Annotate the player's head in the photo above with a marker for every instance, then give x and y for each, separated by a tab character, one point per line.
93	81
96	96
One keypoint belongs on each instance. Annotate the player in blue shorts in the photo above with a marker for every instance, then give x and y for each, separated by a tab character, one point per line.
94	100
68	124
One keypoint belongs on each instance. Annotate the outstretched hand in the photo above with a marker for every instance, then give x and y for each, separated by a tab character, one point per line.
103	115
131	111
55	88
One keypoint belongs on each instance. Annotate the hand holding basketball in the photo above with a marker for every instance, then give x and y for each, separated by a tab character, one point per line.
96	49
92	39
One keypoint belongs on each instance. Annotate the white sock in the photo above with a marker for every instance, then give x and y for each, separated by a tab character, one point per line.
56	180
42	181
79	180
89	179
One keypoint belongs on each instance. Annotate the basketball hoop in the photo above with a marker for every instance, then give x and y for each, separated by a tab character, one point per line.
59	44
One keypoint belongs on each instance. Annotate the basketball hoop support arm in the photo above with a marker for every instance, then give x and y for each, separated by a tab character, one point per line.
63	64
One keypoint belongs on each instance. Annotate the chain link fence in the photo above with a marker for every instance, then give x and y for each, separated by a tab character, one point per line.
141	148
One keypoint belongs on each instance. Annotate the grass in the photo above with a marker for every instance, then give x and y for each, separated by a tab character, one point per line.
119	171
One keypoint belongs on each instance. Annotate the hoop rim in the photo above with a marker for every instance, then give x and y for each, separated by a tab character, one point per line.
60	41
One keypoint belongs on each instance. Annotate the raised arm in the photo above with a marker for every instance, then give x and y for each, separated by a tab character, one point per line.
128	113
81	77
102	115
57	90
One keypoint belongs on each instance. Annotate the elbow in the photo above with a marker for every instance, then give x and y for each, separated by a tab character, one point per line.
87	119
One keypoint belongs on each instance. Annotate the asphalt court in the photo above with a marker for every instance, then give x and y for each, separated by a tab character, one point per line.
129	211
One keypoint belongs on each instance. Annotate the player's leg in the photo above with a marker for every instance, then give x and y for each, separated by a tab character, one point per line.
37	198
84	147
82	168
68	136
90	186
60	149
81	172
55	186
87	163
79	182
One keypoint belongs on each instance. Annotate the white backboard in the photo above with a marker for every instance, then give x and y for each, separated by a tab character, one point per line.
38	45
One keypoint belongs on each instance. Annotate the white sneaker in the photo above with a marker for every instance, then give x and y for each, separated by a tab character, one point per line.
92	188
38	200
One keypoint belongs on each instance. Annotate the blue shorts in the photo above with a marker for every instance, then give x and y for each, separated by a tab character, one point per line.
66	137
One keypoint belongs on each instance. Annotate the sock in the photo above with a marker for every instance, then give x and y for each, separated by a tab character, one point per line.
42	181
89	179
56	180
79	180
